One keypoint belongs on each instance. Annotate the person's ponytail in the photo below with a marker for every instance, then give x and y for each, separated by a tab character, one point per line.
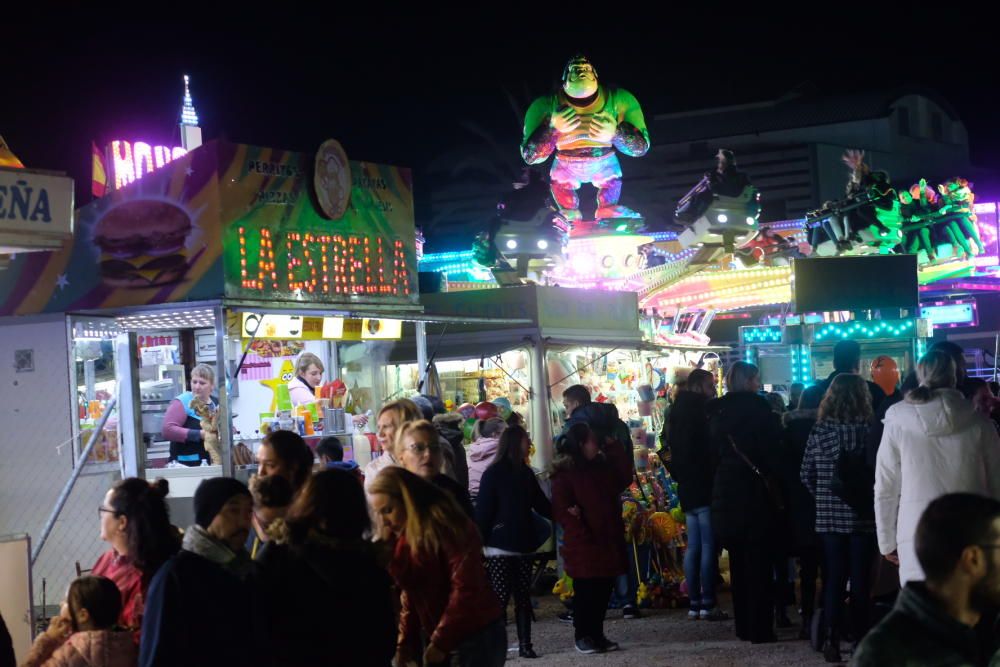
935	370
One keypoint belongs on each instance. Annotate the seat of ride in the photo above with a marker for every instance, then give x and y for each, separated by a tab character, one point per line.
729	221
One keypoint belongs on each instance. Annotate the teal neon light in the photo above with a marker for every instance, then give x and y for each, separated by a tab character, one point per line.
873	329
762	334
801	364
447	256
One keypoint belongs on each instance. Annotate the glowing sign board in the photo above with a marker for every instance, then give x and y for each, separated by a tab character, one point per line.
951	314
130	161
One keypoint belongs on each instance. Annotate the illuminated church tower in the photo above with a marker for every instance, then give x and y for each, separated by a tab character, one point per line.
190	132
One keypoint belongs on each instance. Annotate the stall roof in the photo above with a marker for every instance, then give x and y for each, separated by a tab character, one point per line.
555	312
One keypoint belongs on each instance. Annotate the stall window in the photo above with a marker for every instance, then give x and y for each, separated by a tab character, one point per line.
637	382
470	381
94	363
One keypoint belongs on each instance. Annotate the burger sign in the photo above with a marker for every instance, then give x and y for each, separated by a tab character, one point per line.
142	244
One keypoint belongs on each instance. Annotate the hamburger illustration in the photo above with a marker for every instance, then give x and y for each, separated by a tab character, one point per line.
142	244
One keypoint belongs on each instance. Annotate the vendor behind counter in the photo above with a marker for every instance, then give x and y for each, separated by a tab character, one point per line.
182	425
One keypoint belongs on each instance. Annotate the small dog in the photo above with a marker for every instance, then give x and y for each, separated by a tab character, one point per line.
209	428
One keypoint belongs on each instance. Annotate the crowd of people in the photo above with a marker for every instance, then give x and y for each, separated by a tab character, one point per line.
841	484
415	559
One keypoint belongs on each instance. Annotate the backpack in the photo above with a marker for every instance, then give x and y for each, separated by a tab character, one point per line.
853	481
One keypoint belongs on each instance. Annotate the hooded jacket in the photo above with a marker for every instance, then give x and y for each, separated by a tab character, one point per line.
481	455
927	450
97	648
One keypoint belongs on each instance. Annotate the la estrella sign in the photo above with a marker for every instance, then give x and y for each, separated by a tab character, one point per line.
36	210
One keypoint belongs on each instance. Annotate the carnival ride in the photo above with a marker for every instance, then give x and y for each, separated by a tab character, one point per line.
724	258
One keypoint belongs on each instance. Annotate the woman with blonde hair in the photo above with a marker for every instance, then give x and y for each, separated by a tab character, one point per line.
387	422
437	562
934	443
182	425
308	375
420	450
846	532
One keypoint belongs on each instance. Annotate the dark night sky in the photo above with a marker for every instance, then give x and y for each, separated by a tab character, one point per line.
397	88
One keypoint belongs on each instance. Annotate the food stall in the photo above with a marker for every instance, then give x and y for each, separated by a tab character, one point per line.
161	274
568	336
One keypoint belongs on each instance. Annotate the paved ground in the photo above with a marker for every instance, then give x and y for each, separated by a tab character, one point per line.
662	638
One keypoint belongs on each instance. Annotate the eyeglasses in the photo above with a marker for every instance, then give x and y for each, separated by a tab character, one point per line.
421	447
102	510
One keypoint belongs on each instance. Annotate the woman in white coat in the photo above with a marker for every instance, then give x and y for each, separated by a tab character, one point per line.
934	443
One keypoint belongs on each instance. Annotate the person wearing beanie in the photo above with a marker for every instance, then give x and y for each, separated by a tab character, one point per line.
199	602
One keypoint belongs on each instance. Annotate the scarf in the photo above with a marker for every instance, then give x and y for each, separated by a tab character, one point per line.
198	541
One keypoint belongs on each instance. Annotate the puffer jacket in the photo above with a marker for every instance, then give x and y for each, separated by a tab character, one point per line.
481	455
927	450
97	648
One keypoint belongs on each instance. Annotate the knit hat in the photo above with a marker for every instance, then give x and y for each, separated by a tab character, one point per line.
212	494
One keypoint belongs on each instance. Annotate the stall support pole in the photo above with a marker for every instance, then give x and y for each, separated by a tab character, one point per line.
225	422
421	341
133	445
541	419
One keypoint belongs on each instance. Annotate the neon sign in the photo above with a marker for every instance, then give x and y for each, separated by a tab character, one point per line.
345	264
130	161
951	314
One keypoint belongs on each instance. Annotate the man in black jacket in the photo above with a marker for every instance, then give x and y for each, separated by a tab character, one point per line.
958	546
198	610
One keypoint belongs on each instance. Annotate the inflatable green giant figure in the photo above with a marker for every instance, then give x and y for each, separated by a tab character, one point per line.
583	124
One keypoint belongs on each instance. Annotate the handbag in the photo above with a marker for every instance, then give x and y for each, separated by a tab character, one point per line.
774	494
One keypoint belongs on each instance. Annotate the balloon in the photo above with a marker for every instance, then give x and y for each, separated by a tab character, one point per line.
467	410
503	407
885	373
467	427
486	410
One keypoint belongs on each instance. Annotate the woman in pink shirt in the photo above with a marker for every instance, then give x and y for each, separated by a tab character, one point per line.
136	523
308	374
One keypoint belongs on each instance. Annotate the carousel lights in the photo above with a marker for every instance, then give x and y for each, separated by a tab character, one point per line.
447	256
723	218
859	329
763	334
542	244
511	244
